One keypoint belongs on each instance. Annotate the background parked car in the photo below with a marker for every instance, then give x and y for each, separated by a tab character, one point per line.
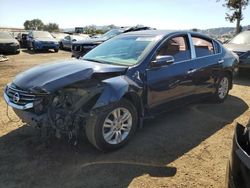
80	48
8	44
240	44
22	38
238	171
59	36
66	43
41	40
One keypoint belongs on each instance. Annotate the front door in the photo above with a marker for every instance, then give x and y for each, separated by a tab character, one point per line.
174	81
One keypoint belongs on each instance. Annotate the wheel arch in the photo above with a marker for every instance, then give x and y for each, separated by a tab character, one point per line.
230	74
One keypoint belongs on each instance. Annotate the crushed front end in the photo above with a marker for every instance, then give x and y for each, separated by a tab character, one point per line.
61	113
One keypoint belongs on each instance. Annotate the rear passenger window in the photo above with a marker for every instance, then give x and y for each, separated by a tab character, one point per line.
203	47
217	48
176	47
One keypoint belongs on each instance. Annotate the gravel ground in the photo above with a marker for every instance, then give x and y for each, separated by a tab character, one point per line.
188	147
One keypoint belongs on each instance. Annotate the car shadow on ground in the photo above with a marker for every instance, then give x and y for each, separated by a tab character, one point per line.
243	78
27	162
37	52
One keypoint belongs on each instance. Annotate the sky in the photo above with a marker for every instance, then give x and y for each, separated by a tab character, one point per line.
160	14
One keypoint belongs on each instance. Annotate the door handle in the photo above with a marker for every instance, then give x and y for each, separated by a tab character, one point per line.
221	61
190	71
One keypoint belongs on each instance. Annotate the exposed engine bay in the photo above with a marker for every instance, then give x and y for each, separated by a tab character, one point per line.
63	113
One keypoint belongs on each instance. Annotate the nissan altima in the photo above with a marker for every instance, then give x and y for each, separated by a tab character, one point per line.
114	87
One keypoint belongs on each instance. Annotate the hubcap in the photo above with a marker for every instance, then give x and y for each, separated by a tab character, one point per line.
223	88
117	125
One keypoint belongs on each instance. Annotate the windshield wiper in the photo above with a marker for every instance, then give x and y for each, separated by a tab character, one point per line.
97	61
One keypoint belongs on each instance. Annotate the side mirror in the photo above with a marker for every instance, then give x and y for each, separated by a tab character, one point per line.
163	60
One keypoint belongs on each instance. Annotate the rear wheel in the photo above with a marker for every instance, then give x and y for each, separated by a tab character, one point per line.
112	127
222	89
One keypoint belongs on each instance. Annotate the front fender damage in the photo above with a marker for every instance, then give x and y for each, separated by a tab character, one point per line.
65	111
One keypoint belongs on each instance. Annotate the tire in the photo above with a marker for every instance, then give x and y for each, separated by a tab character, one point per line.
33	48
222	89
56	50
97	134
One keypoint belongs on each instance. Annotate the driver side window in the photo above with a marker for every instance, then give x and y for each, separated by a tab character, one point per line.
177	47
67	37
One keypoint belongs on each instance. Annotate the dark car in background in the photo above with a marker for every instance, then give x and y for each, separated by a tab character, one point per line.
80	48
114	87
8	44
238	171
240	44
41	40
67	41
22	39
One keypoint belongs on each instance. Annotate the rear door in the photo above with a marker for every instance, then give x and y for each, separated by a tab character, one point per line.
208	63
171	82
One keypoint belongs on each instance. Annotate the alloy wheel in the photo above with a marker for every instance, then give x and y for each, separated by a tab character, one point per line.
117	126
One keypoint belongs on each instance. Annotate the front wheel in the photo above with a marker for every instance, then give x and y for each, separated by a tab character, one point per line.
111	127
56	50
222	89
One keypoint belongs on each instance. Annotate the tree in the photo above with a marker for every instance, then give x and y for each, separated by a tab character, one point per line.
235	11
35	24
91	29
51	27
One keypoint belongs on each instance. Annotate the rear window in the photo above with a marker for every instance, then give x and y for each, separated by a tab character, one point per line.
203	47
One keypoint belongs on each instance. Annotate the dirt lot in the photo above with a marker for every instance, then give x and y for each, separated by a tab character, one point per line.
188	147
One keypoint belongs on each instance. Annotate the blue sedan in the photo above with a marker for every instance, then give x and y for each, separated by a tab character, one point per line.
114	87
41	40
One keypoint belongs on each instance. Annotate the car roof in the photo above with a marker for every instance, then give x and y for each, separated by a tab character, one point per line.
163	33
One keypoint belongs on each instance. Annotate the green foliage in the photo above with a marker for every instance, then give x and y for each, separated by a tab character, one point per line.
235	8
51	27
35	24
91	30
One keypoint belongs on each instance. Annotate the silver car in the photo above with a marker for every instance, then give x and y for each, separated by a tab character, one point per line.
240	44
66	43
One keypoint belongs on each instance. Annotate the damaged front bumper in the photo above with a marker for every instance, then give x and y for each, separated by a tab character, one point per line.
16	106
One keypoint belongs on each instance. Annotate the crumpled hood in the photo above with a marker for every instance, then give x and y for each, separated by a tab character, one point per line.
238	47
53	76
90	41
8	41
45	39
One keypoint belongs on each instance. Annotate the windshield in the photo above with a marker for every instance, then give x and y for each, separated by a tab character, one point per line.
79	37
42	34
111	33
242	38
59	35
5	35
126	51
